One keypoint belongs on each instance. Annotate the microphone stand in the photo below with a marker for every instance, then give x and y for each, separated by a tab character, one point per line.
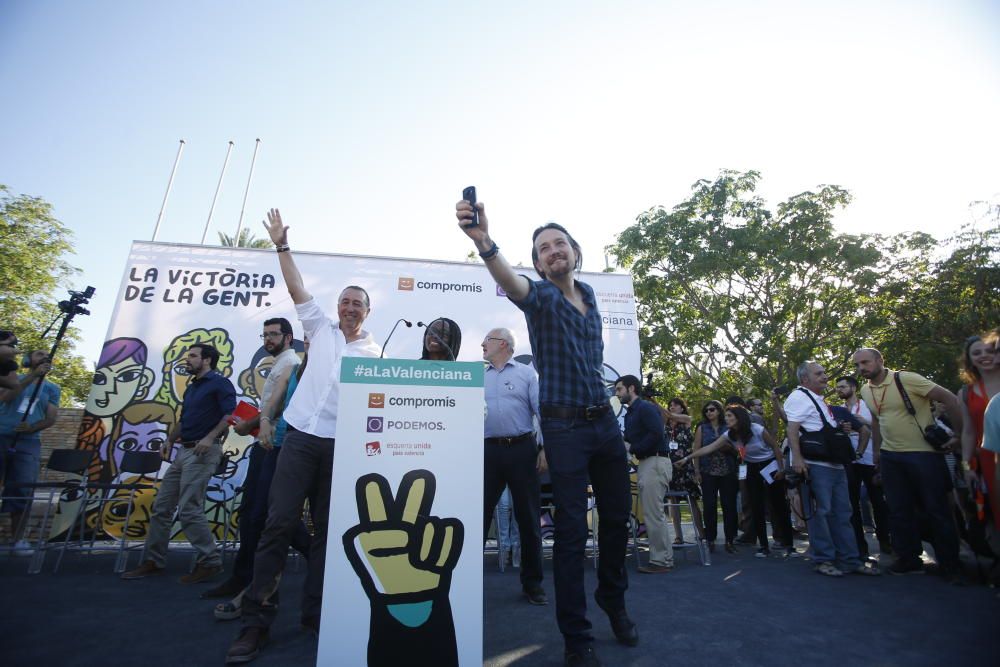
406	322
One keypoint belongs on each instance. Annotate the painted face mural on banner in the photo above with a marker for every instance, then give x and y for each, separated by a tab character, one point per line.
175	377
121	377
118	420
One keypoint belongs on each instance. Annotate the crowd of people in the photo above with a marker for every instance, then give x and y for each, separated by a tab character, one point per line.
898	436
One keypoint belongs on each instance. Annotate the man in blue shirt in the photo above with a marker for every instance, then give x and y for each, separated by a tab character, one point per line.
511	457
20	444
209	400
644	433
582	440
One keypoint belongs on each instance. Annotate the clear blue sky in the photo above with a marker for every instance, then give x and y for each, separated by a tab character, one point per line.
374	116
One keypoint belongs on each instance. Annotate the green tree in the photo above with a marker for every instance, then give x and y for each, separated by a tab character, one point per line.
928	315
246	240
734	295
33	247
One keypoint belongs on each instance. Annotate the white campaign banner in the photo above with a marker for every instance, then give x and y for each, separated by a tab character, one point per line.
404	567
173	296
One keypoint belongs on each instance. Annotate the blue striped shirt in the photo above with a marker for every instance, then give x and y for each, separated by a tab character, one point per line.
567	346
511	399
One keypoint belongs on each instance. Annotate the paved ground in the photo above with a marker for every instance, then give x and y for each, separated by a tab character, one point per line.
738	611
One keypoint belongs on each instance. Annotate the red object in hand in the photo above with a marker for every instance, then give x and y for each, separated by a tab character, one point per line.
245	411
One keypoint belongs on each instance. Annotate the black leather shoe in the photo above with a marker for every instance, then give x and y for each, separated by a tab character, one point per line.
247	645
582	658
623	627
536	595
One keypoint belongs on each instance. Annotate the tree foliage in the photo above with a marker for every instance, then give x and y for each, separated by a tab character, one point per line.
246	240
733	295
929	314
33	247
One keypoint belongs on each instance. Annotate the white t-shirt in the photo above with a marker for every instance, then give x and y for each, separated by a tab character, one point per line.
864	415
799	408
313	408
282	362
757	451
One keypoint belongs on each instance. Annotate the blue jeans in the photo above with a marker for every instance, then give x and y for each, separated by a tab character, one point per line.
579	451
919	481
831	535
20	464
507	533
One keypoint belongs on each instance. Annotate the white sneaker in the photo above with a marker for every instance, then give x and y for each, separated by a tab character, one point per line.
21	548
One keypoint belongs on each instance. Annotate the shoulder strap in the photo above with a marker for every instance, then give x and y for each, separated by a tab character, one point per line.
818	409
902	392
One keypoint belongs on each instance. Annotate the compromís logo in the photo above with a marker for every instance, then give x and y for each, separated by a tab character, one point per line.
410	284
376	401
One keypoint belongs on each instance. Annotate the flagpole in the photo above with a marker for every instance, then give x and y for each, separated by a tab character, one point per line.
239	226
166	195
218	187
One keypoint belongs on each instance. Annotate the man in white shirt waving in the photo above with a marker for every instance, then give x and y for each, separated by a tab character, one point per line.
305	468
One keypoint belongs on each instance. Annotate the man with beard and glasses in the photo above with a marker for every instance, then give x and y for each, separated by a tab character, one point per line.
582	439
278	338
209	400
305	468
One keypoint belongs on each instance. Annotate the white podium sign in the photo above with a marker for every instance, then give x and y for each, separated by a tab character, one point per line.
404	569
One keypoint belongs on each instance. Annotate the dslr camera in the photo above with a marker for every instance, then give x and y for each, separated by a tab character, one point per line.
793	479
648	391
937	437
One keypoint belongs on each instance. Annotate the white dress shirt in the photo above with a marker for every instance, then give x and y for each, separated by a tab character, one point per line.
313	408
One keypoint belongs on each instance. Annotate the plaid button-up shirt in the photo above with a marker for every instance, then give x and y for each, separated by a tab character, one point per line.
567	346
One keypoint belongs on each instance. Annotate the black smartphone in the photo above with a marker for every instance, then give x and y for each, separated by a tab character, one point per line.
782	390
469	195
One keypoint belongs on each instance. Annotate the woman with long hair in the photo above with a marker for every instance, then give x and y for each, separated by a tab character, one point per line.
981	375
687	480
442	341
760	450
719	480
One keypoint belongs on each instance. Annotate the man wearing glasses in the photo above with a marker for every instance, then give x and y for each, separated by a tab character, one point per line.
512	457
10	384
277	337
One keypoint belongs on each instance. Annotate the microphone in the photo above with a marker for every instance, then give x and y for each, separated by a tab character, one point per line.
406	322
438	339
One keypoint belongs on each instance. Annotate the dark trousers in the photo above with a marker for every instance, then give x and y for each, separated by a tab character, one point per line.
724	489
514	466
858	474
578	450
304	470
746	509
253	512
761	495
917	481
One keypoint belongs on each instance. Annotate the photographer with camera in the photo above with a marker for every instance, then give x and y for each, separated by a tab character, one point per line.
908	446
23	415
820	450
